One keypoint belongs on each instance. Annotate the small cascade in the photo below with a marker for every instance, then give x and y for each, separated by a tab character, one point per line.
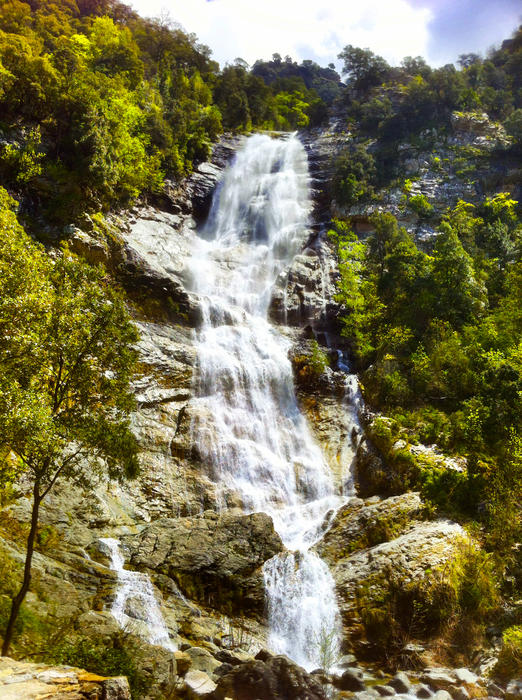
136	588
249	430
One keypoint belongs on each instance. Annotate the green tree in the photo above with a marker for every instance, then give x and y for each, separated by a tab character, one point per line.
363	68
64	374
460	296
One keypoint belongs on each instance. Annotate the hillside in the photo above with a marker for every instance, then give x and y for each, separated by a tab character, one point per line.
260	367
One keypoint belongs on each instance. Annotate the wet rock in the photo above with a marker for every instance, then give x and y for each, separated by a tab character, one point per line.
273	679
438	678
400	682
200	187
202	660
346	661
213	558
385	691
198	685
372	475
361	523
349	680
442	695
514	689
305	292
422	691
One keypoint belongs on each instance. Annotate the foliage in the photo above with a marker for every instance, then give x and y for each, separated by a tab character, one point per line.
312	365
328	653
119	658
509	664
363	68
98	105
353	176
437	339
420	205
394	608
414	102
66	358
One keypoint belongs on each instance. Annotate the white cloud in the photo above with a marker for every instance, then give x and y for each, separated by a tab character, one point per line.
300	28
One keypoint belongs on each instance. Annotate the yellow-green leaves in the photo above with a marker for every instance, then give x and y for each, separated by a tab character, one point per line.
66	357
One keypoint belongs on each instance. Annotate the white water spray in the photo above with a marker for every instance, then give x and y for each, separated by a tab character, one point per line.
137	588
249	429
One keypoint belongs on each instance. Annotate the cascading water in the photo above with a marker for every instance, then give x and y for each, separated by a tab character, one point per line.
249	429
135	586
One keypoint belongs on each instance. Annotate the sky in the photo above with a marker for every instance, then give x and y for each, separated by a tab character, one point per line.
438	30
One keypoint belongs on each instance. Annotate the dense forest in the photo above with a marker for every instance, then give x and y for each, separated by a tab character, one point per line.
99	106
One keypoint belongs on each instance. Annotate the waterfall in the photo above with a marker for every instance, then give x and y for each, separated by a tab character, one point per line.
249	430
136	588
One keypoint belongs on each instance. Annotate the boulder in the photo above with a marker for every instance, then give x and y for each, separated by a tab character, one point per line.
442	695
385	691
438	678
425	546
464	675
33	681
349	680
272	679
215	559
514	689
202	660
183	662
198	685
400	682
363	523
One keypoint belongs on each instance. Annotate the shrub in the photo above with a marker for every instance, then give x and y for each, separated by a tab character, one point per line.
118	659
394	608
311	366
420	205
509	664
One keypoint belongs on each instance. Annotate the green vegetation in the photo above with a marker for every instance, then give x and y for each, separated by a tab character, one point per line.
509	663
437	340
387	106
98	105
118	658
447	602
311	366
66	358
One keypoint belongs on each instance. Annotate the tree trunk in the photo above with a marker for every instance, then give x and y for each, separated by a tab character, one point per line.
19	598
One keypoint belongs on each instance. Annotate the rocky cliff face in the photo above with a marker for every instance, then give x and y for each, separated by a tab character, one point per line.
205	566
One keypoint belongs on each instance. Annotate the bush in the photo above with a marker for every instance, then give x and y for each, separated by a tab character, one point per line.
120	659
509	664
394	608
420	205
311	366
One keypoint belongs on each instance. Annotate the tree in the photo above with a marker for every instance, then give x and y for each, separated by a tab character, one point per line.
363	68
460	296
66	358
